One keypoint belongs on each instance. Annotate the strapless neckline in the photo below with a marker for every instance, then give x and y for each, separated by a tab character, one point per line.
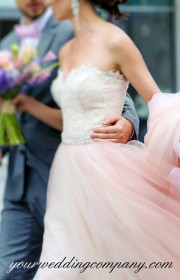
93	67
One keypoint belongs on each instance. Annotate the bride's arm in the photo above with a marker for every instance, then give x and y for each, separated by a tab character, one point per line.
130	62
50	116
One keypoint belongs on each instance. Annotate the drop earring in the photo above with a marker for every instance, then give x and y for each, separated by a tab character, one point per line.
75	12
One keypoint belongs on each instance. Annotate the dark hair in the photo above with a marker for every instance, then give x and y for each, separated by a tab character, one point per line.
111	6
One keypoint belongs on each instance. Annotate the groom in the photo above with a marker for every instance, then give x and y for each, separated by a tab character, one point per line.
21	230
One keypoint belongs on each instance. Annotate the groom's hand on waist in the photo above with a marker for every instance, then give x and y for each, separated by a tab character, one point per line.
116	129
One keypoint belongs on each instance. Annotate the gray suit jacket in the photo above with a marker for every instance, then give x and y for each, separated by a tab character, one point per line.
42	140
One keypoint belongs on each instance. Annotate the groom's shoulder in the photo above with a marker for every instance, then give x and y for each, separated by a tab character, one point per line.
66	29
62	29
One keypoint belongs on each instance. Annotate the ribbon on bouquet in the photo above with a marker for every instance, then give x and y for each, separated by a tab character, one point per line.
7	107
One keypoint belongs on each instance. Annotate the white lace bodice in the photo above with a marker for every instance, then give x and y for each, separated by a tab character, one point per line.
87	96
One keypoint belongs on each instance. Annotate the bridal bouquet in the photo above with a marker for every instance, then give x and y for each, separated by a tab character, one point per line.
16	70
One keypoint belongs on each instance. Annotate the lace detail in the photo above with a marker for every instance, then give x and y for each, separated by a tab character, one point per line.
87	96
76	139
93	68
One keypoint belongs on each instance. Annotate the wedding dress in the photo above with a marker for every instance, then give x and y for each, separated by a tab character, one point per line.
111	202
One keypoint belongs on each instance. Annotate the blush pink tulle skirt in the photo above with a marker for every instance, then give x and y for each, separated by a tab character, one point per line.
116	203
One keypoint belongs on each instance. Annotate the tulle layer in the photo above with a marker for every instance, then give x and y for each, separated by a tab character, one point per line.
116	203
106	204
163	134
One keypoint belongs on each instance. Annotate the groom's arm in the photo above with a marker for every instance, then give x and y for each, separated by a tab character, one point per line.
120	129
129	112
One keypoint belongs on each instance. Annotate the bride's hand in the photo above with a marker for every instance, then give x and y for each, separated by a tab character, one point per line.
23	102
117	130
1	102
42	112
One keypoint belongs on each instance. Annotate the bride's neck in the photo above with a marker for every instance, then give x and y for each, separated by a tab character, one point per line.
87	19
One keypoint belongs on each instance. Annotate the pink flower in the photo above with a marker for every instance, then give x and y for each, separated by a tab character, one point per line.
28	53
19	62
49	57
34	67
5	59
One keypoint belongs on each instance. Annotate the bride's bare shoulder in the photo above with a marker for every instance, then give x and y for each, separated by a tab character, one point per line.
117	40
120	45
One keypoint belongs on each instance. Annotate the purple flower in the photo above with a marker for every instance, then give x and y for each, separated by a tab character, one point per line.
24	75
39	78
39	61
7	82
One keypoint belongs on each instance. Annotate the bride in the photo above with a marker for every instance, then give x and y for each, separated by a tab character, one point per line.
113	210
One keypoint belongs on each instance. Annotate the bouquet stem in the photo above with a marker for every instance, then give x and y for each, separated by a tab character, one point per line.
10	131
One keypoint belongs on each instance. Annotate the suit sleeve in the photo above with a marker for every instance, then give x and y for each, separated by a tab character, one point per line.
129	112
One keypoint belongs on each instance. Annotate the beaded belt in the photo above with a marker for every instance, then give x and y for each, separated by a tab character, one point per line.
76	139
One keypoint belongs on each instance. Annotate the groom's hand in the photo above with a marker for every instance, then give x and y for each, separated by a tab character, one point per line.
117	130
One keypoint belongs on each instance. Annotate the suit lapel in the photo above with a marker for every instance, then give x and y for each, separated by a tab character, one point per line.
47	36
15	39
